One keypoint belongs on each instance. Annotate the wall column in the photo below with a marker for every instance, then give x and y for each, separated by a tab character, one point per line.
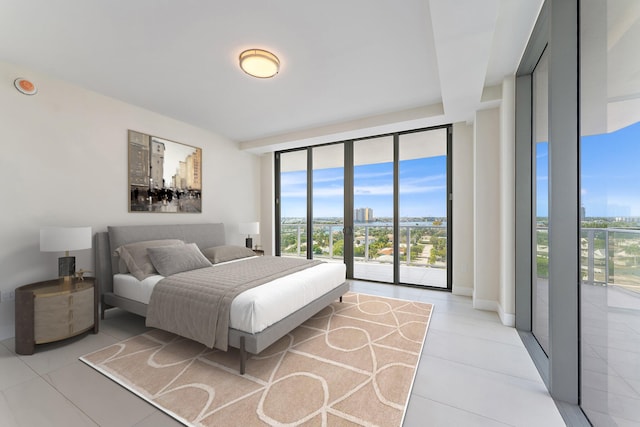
463	239
486	210
267	207
506	301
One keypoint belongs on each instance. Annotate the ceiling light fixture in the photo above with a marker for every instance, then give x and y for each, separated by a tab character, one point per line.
259	63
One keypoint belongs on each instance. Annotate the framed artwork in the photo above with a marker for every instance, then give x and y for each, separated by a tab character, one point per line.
164	176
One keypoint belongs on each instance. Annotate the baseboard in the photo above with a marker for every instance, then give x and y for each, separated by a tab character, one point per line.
507	319
462	291
7	332
485	304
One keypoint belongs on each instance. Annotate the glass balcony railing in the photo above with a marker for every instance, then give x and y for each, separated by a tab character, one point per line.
608	256
611	256
419	246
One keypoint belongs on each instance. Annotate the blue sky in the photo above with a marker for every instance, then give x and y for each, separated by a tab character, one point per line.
422	189
610	182
610	174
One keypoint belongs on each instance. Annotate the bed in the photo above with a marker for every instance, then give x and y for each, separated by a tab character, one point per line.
258	316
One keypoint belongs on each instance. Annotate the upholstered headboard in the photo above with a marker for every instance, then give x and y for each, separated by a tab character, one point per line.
203	235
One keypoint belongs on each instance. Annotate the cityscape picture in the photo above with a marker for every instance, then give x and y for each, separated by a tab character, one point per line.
164	176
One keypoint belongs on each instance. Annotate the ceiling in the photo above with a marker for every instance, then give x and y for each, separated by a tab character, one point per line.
348	68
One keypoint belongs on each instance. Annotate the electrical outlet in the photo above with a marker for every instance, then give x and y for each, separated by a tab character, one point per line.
7	296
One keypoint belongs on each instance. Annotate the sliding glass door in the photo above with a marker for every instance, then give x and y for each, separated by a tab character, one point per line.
423	207
373	196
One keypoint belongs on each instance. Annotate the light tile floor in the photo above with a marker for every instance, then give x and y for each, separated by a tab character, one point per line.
473	372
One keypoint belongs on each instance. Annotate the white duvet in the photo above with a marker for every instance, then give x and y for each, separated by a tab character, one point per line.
257	308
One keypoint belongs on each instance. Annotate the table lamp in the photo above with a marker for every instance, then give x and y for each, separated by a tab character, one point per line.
249	228
65	239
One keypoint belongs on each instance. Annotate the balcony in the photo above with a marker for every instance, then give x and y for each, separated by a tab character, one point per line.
423	257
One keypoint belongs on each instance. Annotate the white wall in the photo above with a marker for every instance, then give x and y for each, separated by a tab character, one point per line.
64	163
494	207
267	207
463	241
486	209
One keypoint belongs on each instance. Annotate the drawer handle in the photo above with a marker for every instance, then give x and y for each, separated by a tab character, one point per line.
70	299
70	315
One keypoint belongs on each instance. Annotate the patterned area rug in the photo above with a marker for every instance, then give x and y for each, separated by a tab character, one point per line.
352	364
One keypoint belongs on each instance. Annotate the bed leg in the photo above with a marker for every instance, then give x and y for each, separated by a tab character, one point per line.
103	308
340	298
243	356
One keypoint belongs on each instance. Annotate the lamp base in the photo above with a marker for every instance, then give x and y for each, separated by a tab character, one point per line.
248	242
66	266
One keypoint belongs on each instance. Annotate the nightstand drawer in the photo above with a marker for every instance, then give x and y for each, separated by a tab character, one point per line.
62	315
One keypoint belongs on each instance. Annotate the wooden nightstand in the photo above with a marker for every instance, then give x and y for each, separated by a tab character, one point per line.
258	252
53	310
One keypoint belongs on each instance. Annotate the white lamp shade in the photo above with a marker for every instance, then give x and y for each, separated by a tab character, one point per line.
249	228
60	239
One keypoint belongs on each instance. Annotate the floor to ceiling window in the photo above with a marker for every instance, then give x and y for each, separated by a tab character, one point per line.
378	204
423	207
373	228
328	202
293	203
610	208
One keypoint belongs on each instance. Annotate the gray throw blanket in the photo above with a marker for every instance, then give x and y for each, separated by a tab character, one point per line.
196	304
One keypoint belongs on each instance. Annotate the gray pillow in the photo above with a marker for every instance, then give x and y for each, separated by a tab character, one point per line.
224	253
170	260
135	258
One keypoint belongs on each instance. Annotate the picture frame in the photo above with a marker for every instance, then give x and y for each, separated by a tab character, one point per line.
164	176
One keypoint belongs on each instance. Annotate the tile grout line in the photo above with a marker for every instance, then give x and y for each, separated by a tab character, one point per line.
49	381
469	412
540	382
462	335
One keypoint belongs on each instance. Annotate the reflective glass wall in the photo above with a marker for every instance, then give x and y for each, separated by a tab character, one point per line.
540	203
610	211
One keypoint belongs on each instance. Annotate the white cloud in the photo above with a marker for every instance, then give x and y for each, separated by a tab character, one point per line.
372	175
295	179
328	192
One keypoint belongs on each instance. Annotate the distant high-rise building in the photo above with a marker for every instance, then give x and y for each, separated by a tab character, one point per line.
363	215
157	163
